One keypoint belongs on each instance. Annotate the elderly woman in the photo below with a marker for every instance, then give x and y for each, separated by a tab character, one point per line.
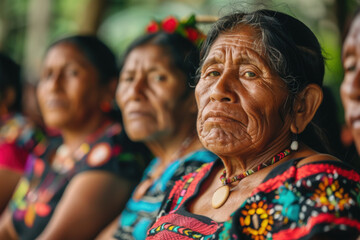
350	87
259	88
76	184
159	109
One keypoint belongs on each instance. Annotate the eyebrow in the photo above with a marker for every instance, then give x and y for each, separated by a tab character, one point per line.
209	61
245	56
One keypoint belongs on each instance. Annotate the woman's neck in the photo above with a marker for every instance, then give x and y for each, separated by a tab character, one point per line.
73	137
168	149
240	163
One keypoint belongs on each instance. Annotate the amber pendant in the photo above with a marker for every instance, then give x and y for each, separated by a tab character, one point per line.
220	196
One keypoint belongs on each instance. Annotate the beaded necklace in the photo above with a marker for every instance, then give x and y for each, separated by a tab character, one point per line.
222	193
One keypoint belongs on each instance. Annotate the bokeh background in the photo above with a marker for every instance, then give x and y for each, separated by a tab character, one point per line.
28	26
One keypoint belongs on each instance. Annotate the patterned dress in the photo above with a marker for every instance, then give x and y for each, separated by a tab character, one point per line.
18	136
41	190
138	216
291	203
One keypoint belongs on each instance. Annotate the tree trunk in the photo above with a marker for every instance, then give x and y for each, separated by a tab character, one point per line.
3	23
90	16
39	15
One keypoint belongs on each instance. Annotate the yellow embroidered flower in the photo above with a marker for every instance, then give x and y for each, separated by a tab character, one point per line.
256	220
331	195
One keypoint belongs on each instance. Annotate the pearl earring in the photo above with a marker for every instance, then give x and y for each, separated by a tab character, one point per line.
294	143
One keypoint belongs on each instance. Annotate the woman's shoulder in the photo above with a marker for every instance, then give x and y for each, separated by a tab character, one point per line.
320	194
325	164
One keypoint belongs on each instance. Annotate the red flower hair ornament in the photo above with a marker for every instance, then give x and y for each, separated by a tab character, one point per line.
187	28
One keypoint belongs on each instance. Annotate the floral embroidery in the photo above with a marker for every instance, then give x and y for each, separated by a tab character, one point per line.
30	200
224	234
330	194
356	192
289	203
176	229
256	220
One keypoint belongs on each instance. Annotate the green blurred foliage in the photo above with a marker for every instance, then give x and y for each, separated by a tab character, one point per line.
124	20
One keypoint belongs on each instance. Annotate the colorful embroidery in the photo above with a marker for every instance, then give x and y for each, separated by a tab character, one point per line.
138	215
316	203
99	154
186	186
256	220
176	229
39	193
331	195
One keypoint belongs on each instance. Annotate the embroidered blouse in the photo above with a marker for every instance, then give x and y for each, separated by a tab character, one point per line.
291	203
138	216
17	138
38	194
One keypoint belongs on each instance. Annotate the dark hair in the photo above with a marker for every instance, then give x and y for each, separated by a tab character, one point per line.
184	54
97	53
10	77
348	23
290	48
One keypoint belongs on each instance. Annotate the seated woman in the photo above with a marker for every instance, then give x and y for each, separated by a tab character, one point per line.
76	184
16	131
259	88
159	109
350	87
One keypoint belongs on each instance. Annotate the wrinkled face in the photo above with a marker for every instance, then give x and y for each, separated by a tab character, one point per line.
152	94
68	92
240	100
350	87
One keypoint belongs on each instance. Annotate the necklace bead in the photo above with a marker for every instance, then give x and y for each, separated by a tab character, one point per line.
221	194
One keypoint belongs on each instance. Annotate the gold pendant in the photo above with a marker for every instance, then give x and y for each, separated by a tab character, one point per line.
220	196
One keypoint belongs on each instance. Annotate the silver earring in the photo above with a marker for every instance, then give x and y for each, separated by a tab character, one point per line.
294	143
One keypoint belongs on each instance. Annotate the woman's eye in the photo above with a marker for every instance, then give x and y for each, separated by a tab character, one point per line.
47	75
126	79
350	68
72	72
249	74
159	78
214	74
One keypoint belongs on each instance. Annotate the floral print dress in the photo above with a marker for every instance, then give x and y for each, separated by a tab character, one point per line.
291	203
38	193
18	136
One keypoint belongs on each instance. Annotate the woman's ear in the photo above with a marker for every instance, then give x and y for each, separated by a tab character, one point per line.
193	106
305	106
9	97
110	89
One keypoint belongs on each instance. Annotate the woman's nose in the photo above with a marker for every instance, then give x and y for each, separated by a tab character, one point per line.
56	81
138	86
351	86
222	90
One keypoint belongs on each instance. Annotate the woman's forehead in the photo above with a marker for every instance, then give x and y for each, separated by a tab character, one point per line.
240	37
241	44
353	38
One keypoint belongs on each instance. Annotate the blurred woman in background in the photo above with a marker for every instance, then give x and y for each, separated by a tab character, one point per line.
16	131
76	184
350	87
159	109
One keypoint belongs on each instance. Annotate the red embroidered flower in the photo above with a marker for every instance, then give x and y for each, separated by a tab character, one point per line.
170	24
191	34
152	27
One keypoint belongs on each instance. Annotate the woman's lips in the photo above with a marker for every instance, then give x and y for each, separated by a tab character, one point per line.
355	123
219	117
138	114
55	103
